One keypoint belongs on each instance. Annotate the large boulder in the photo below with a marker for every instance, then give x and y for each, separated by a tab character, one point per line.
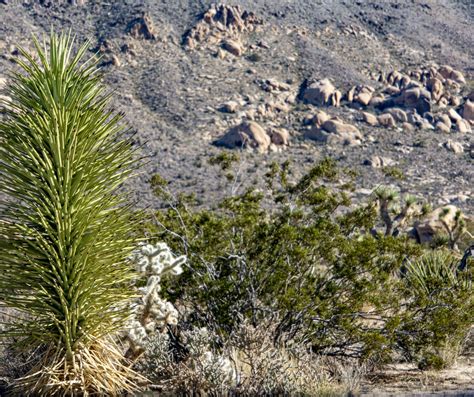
445	71
463	126
318	119
468	111
235	47
453	146
322	92
458	77
280	136
246	135
337	126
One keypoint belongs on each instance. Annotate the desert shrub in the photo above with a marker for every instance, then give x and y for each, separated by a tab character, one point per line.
300	252
439	309
249	364
65	231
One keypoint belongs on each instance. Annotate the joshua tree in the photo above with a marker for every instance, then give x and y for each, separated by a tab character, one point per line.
394	214
65	232
454	230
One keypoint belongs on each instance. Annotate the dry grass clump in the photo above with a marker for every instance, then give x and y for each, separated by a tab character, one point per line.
96	369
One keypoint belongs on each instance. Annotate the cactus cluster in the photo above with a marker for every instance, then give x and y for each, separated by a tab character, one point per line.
149	311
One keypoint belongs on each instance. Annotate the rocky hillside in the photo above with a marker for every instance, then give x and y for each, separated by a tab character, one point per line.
385	87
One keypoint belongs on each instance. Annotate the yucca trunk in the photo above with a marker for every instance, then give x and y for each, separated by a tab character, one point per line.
65	232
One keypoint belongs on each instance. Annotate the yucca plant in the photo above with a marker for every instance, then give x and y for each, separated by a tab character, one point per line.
65	231
439	309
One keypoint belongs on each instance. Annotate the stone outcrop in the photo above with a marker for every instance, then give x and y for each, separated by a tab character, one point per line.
221	22
142	28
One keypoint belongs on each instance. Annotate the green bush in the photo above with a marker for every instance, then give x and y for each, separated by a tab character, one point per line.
298	253
439	310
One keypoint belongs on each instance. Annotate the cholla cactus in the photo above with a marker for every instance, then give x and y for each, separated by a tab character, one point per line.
207	364
150	312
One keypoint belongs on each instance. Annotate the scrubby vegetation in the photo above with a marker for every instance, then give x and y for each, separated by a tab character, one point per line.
345	281
290	290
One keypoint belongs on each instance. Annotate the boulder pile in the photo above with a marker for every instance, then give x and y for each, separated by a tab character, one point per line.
332	130
223	25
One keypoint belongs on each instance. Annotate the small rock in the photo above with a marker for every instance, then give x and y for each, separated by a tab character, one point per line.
370	118
378	162
453	146
454	115
115	60
229	107
440	126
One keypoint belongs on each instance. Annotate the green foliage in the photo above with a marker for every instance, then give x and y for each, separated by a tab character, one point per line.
65	232
439	309
295	252
394	172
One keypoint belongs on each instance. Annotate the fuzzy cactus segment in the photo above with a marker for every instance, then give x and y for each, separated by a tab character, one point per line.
151	313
